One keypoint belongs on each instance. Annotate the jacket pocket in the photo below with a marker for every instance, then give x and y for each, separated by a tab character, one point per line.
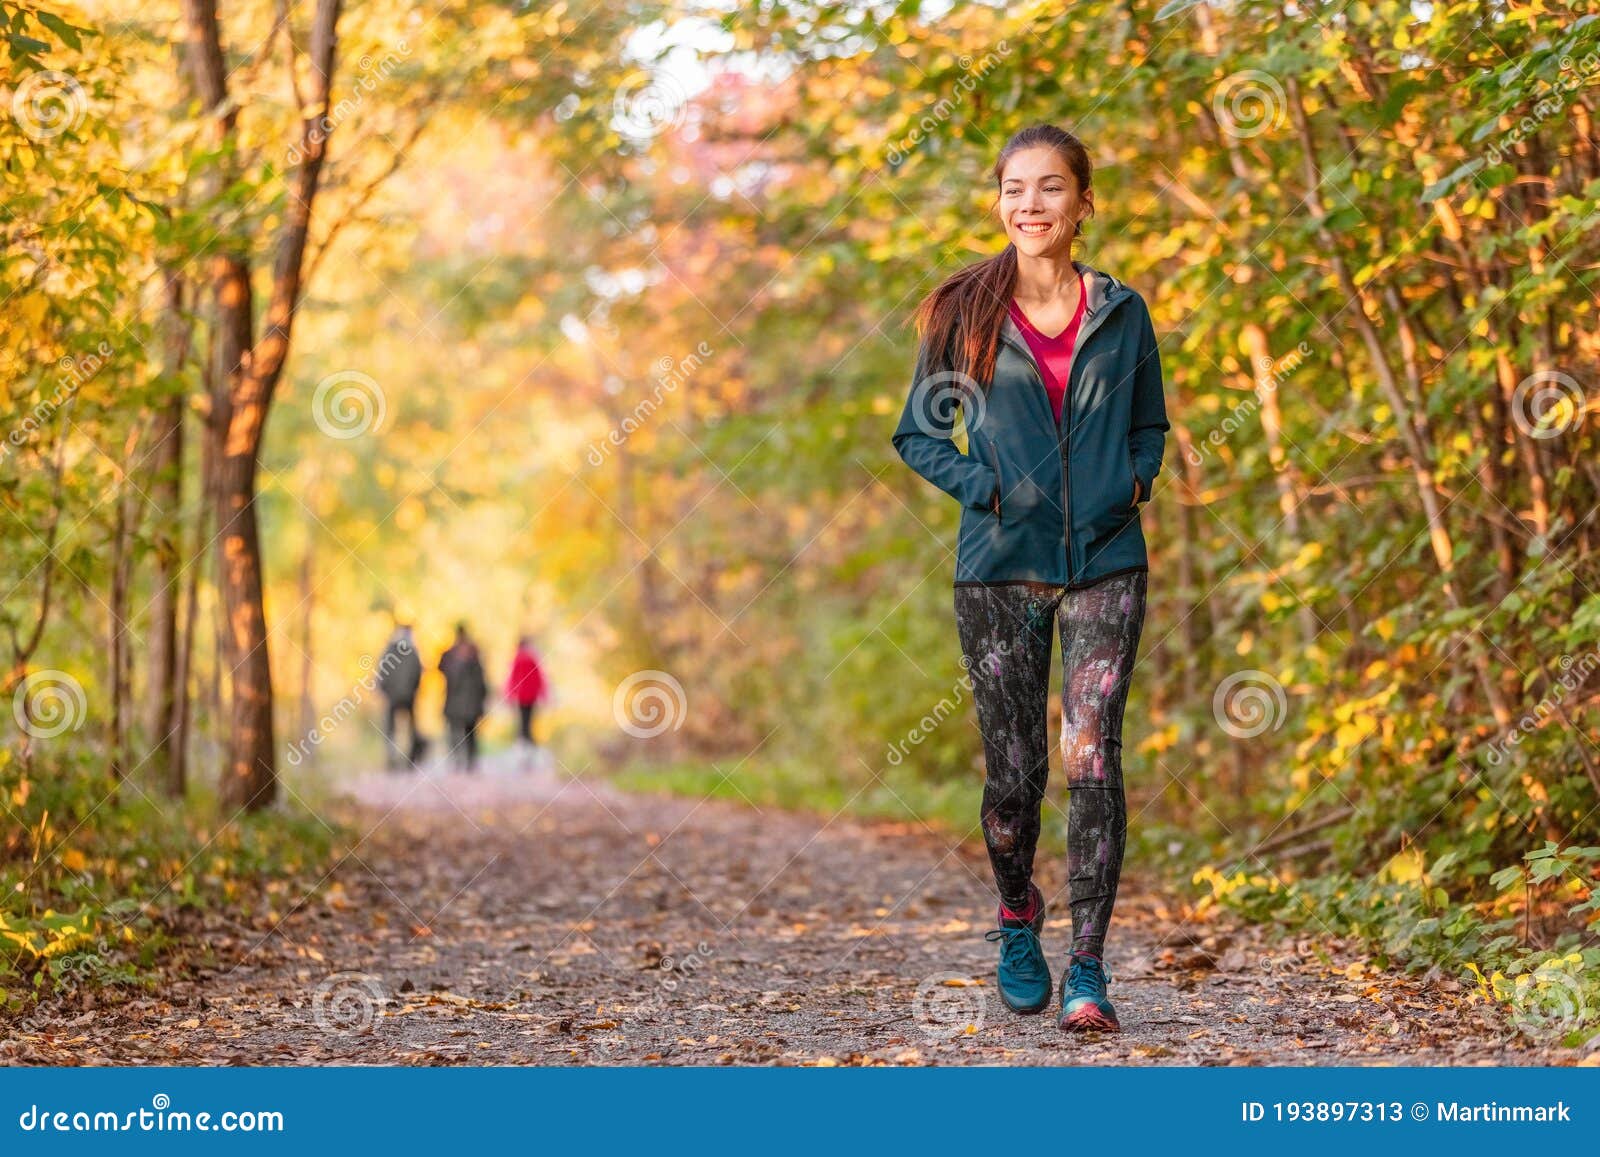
999	484
1111	508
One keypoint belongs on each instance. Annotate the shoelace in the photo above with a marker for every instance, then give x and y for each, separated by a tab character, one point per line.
1016	953
1088	977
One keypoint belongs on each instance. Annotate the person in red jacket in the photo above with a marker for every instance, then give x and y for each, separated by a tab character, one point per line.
525	689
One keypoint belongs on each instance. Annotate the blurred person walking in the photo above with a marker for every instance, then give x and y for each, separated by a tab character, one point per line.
399	675
525	690
465	693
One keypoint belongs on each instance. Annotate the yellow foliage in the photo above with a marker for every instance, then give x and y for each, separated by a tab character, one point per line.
1222	886
1404	867
1350	734
53	935
410	514
1163	739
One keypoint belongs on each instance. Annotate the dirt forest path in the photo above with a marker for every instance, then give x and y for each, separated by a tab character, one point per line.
514	917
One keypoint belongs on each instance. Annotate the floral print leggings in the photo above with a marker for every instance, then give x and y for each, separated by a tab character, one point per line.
1006	643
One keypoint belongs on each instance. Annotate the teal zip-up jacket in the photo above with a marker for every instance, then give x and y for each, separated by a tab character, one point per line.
1046	502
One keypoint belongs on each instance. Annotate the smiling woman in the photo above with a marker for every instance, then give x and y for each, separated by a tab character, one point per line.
1054	366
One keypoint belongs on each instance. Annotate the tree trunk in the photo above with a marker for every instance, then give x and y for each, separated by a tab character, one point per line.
247	371
1191	628
117	622
178	765
1264	376
166	496
308	602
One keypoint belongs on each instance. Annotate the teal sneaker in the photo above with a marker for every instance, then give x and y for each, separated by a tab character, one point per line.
1083	996
1024	972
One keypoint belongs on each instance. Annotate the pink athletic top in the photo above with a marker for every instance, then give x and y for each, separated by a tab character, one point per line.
1053	354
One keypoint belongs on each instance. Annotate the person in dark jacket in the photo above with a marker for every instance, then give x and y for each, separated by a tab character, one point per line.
399	675
525	688
465	693
1054	368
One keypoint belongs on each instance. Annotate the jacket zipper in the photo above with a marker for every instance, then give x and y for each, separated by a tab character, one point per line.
999	484
1092	320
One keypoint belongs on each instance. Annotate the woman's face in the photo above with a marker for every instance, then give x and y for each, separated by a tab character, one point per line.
1040	205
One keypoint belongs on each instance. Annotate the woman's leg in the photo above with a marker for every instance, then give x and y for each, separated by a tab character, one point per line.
1100	629
1005	646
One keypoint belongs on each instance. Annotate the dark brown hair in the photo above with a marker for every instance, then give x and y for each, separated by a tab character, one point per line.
960	320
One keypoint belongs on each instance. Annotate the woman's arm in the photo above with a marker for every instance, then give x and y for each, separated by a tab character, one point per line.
924	442
1147	431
